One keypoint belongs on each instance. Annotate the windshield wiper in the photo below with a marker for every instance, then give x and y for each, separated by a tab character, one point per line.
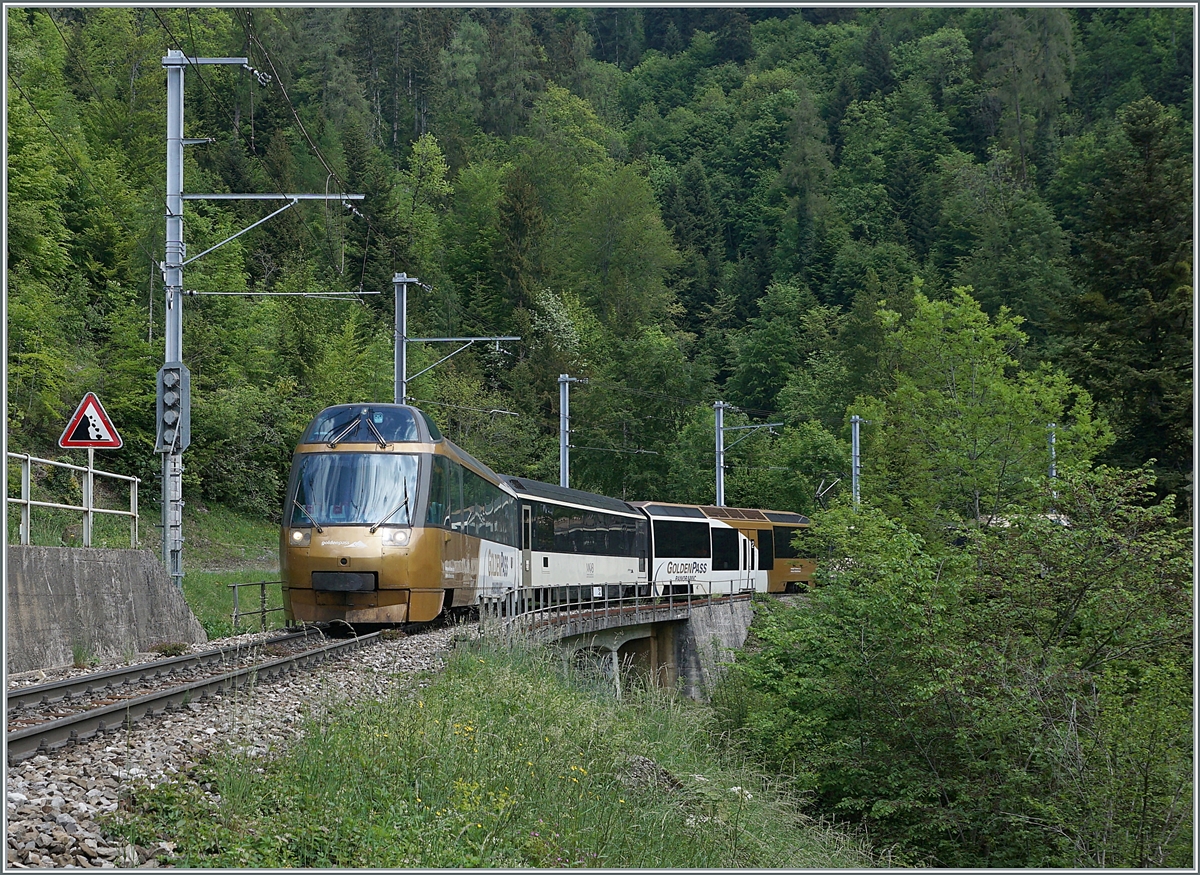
378	436
392	512
311	519
345	431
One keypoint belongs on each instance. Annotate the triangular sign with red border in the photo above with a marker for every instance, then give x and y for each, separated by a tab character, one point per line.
90	427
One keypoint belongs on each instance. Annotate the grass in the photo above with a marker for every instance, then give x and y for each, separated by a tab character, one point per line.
505	759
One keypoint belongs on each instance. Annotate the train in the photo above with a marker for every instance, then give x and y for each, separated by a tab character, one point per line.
387	522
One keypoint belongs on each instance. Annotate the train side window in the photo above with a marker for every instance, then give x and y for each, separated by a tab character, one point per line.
681	540
543	528
784	535
454	497
766	550
439	485
724	549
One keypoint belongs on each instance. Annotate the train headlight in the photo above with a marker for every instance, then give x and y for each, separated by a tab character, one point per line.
300	537
395	537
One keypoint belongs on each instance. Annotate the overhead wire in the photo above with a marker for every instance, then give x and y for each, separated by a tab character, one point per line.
256	41
492	410
233	116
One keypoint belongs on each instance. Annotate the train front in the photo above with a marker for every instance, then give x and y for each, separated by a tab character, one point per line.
351	545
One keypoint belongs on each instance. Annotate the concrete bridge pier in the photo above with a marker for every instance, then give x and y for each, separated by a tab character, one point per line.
619	644
689	654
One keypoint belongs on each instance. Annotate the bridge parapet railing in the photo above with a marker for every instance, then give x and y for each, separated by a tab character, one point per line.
88	508
553	612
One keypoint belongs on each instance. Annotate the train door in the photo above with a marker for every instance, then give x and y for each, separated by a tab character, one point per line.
766	559
526	545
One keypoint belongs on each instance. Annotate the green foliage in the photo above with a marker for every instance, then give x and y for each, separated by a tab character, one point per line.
1021	701
1128	328
964	433
665	172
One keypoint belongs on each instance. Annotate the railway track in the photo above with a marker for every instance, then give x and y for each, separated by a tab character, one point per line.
46	717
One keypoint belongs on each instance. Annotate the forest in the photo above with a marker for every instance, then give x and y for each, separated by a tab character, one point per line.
970	227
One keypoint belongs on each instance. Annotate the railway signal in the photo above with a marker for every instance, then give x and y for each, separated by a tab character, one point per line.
173	408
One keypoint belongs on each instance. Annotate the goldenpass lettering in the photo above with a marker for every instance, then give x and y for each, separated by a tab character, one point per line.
687	568
499	564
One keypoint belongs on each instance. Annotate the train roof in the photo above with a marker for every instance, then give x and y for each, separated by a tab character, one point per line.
693	511
566	495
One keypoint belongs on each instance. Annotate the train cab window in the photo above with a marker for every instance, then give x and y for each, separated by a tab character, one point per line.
724	549
681	540
766	550
435	434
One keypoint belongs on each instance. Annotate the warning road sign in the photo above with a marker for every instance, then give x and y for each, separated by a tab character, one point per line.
90	427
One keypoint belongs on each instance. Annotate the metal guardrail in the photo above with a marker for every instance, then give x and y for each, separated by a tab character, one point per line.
88	507
544	614
262	611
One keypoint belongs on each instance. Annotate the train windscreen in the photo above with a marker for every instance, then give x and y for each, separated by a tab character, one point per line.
355	489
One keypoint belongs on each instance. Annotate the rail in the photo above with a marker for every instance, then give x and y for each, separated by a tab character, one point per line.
262	611
554	612
51	735
88	507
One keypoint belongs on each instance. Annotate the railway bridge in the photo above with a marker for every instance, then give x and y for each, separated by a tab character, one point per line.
676	640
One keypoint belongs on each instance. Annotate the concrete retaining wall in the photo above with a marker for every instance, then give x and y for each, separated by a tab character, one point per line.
706	644
109	602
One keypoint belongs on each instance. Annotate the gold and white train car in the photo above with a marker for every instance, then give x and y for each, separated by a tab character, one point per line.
789	568
388	522
694	552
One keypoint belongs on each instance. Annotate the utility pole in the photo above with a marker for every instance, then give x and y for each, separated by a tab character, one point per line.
719	408
855	459
564	430
1052	428
400	283
173	403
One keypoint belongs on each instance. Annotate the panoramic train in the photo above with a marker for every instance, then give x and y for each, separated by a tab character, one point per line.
769	533
388	522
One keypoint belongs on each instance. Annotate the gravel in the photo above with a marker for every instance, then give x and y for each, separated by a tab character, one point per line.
54	802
